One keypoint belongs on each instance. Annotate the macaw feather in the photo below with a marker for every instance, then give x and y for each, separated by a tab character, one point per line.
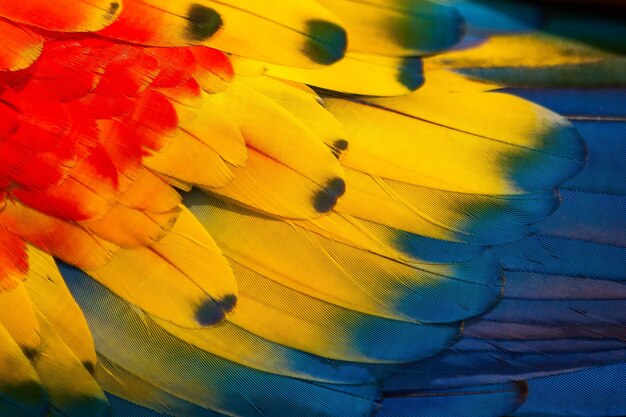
317	208
345	275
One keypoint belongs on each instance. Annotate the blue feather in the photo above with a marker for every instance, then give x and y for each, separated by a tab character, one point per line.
594	392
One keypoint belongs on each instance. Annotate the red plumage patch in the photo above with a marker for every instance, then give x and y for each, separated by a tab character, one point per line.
176	66
74	127
214	70
62	15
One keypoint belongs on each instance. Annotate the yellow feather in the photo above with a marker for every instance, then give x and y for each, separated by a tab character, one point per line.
70	387
118	381
397	28
343	275
531	50
183	278
212	125
20	385
304	104
289	171
359	73
18	317
190	160
253	29
436	140
48	292
271	310
129	228
375	199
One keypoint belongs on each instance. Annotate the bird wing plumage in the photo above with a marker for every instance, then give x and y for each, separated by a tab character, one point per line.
323	208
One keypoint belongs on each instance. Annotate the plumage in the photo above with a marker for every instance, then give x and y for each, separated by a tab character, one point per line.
21	47
484	400
321	208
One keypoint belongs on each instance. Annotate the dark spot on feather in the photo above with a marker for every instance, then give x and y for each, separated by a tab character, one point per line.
326	199
336	187
213	311
522	391
90	367
323	202
203	22
327	42
30	353
341	144
339	147
210	313
113	7
411	73
228	303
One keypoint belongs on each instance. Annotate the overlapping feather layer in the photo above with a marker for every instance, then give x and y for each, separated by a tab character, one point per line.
330	238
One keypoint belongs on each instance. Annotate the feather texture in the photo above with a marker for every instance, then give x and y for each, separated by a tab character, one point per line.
316	208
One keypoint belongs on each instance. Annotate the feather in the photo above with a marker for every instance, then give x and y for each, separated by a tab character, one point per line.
21	390
68	16
117	380
222	386
333	332
347	276
353	247
309	34
589	392
178	263
213	126
386	38
14	261
564	284
45	232
56	307
481	401
398	28
571	50
306	105
263	277
422	199
156	23
360	73
485	17
24	329
71	389
20	49
537	134
289	171
186	158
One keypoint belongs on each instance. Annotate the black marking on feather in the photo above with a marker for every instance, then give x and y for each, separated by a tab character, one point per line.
339	147
336	187
113	7
327	42
30	353
325	200
214	311
522	391
203	22
90	367
411	73
228	303
209	313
